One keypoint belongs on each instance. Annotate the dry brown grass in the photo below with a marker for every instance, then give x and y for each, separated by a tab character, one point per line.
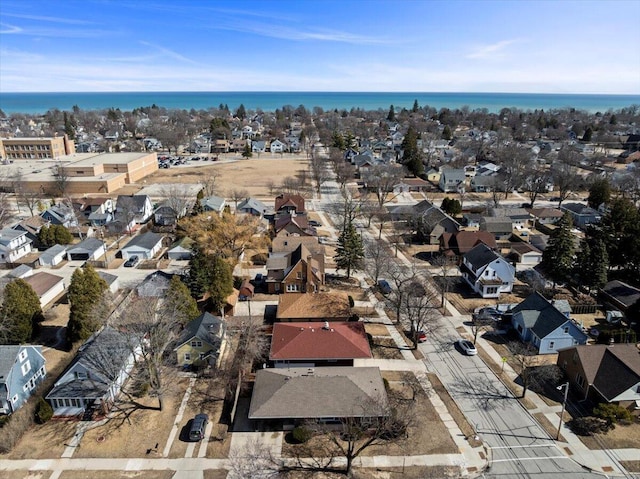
252	175
385	348
215	474
141	432
631	466
376	329
622	437
26	474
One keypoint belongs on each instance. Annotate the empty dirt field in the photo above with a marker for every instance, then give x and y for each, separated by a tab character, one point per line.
253	175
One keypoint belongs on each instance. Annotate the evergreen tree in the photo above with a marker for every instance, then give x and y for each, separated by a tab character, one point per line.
451	206
209	274
247	153
557	258
415	106
391	116
197	206
411	156
338	141
241	112
350	250
620	229
592	263
599	192
181	302
20	312
69	128
61	235
85	290
588	133
446	133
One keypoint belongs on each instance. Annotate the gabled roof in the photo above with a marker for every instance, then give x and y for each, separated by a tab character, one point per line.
546	212
455	174
480	255
7	235
8	354
318	306
301	221
104	355
252	204
300	393
31	225
20	272
87	245
580	209
497	224
205	327
132	202
288	201
463	241
48	255
611	369
523	248
155	285
512	213
317	340
539	315
214	203
623	293
145	241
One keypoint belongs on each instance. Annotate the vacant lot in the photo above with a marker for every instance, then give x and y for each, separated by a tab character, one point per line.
254	175
117	474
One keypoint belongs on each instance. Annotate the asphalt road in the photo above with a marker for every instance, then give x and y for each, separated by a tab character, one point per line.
519	446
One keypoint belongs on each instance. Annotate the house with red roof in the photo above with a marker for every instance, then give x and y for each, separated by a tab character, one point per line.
289	203
315	344
459	243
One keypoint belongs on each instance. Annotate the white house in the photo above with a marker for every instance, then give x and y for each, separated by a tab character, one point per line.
277	147
136	207
144	246
451	180
87	249
488	273
14	244
526	254
22	368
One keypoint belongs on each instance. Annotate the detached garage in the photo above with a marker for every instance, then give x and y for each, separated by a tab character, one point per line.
88	249
144	246
526	254
47	286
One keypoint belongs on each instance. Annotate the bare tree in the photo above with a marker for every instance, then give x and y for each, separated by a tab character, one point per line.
480	323
377	258
238	194
177	198
24	196
419	308
209	183
400	277
536	182
255	461
445	265
526	359
513	161
381	180
566	178
61	180
319	171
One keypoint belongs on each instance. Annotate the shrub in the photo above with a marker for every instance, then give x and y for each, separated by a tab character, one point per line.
301	434
352	303
385	381
612	413
44	411
588	426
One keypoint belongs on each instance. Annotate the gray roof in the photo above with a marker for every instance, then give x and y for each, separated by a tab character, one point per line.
104	355
20	271
205	327
252	204
513	213
87	245
146	241
624	293
8	356
134	202
8	234
539	315
213	203
579	209
456	174
48	255
498	224
300	393
108	278
155	285
480	255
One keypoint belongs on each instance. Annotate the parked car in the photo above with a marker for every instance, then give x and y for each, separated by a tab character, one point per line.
198	426
132	262
384	286
259	278
466	347
315	224
488	313
422	337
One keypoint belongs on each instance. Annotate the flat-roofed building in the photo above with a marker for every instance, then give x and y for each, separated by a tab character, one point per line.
36	148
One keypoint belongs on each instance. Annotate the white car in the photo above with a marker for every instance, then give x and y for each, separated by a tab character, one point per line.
467	347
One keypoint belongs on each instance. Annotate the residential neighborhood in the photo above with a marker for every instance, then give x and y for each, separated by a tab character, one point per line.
368	297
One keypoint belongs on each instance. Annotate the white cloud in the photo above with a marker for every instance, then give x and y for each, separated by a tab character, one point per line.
70	21
493	51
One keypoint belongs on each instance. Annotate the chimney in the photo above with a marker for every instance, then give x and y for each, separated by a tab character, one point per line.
309	279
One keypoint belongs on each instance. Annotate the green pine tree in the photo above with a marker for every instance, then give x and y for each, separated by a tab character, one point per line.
411	156
415	107
247	153
391	116
85	290
350	251
20	312
221	285
180	301
592	263
557	258
60	235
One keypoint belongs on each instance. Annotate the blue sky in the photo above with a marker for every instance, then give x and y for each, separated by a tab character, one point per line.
476	46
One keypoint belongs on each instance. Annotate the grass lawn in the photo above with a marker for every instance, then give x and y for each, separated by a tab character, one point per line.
385	348
26	474
135	435
215	474
622	437
376	329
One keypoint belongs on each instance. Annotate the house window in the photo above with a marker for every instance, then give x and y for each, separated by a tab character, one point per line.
187	357
201	356
492	290
26	367
566	329
196	344
81	375
23	353
580	380
14	399
25	388
551	344
299	275
292	288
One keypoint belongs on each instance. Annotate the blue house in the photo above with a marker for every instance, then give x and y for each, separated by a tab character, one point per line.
544	326
60	214
22	368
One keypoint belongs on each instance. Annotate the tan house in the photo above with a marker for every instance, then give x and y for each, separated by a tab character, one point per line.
293	225
299	271
313	307
202	342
